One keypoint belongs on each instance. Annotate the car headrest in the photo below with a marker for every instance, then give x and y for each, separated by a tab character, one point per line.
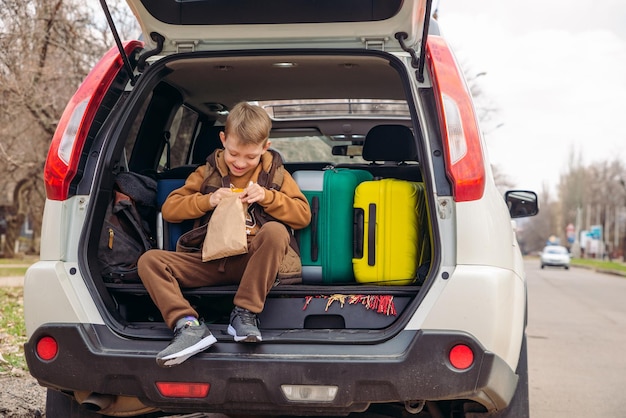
208	140
389	143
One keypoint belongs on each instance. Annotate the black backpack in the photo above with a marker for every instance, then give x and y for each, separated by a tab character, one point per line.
127	231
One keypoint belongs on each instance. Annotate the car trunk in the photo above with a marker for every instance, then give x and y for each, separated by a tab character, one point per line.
323	102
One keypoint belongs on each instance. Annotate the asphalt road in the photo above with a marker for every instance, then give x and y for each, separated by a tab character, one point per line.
577	343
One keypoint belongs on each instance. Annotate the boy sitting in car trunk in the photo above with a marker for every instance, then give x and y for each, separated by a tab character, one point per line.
275	206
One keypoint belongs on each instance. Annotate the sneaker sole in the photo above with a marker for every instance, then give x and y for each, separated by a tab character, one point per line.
244	338
177	358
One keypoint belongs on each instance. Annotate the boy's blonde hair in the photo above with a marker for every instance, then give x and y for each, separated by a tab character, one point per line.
250	123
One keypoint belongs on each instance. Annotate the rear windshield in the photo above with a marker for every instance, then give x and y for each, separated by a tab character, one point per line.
241	12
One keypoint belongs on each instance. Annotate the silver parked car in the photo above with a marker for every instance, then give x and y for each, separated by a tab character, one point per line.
555	256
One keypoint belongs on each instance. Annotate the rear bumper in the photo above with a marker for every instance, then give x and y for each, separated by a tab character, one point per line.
247	378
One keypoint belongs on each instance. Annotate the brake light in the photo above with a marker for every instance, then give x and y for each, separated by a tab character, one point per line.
462	142
47	348
183	389
69	138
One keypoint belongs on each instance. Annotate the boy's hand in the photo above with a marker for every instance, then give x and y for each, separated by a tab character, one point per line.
218	195
253	193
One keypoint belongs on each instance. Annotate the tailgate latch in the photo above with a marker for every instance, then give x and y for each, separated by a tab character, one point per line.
186	46
377	44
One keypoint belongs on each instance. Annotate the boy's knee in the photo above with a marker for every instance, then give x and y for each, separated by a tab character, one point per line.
147	260
274	231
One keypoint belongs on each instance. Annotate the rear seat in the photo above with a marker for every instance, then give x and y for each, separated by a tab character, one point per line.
388	148
207	141
168	232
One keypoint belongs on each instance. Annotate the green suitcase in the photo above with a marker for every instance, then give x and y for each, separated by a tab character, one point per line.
326	245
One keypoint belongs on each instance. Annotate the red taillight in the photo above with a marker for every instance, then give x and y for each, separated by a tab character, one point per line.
462	142
47	348
183	389
69	137
461	356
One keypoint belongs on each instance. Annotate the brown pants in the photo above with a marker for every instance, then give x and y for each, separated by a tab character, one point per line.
164	273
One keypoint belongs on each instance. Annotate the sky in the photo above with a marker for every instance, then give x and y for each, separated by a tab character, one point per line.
556	72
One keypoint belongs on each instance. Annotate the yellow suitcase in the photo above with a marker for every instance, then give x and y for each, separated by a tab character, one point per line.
391	231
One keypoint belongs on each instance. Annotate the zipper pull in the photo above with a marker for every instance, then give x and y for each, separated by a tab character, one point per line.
111	234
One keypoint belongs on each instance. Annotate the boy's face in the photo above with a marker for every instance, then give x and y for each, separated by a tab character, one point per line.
241	158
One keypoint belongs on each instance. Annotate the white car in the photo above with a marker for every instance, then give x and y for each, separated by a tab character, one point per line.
555	256
448	341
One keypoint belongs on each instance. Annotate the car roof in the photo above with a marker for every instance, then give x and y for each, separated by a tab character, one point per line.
252	24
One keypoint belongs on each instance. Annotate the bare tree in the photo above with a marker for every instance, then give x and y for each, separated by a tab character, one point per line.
594	195
605	197
47	49
573	191
534	232
503	182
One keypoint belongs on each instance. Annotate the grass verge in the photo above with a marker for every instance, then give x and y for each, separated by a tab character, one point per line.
12	271
600	264
15	266
12	331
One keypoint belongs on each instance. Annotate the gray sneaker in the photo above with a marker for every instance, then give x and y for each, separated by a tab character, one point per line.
244	326
188	340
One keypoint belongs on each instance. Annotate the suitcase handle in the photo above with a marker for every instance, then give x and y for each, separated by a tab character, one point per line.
315	209
358	230
371	236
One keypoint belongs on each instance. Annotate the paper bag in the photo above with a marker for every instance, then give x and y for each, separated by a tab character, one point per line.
226	233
